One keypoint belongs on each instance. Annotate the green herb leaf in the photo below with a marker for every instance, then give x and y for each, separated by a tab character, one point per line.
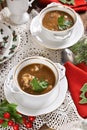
70	2
5	124
80	50
61	20
43	84
4	102
38	85
63	23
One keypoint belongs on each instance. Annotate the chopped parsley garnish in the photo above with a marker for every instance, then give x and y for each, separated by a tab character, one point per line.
38	85
63	23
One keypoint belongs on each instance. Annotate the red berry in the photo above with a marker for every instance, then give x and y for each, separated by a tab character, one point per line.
10	123
6	115
29	125
1	121
16	127
31	118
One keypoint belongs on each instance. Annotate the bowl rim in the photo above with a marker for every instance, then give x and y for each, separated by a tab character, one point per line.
36	57
44	11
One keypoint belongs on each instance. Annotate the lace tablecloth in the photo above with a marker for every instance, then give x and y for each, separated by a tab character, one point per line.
66	113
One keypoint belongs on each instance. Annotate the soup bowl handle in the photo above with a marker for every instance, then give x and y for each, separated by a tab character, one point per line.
61	37
13	88
61	69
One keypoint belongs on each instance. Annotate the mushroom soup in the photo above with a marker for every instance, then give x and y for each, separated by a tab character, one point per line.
36	79
57	20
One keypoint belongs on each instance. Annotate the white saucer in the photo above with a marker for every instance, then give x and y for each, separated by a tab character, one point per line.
48	43
12	46
10	96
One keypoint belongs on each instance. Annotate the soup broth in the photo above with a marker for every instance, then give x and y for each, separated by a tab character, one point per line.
36	71
50	20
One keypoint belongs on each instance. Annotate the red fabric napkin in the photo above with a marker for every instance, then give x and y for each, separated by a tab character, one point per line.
80	5
76	79
82	66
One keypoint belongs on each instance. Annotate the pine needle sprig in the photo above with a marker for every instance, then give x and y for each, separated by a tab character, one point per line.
80	50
